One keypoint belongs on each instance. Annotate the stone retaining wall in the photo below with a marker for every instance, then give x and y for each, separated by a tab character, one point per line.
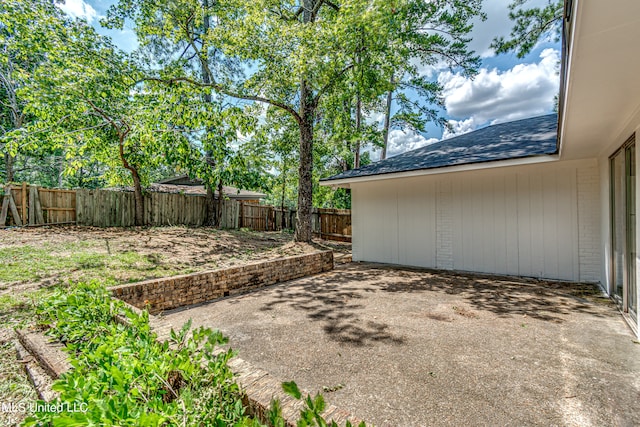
180	291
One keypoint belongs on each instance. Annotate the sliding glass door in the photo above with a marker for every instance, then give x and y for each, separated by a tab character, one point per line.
623	227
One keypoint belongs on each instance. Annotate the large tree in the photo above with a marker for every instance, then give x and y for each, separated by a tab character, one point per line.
25	29
85	100
294	53
174	41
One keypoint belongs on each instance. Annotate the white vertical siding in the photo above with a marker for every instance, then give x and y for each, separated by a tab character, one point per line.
512	222
416	219
519	221
375	217
499	224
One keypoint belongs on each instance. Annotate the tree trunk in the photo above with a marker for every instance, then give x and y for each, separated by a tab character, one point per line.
80	176
283	222
137	195
307	116
219	206
344	161
387	122
210	204
8	164
137	184
206	79
356	162
305	186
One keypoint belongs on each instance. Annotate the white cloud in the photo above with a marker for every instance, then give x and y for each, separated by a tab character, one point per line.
374	117
495	96
401	141
497	24
459	127
79	9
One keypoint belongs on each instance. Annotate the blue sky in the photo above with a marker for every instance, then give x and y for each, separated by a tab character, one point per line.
506	88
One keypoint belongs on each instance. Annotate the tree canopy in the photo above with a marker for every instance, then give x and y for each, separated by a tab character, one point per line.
228	90
300	57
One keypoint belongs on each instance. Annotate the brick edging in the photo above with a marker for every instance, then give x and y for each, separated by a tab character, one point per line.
48	353
163	294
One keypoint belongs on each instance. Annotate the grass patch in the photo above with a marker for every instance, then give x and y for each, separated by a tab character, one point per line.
33	258
14	387
9	302
18	309
79	261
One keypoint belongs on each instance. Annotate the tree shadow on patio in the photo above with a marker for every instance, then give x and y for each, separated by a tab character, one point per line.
337	298
328	298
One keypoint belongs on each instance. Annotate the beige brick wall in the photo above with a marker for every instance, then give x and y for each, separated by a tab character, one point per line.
444	225
588	189
179	291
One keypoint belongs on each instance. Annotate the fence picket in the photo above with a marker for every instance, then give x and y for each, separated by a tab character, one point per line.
107	208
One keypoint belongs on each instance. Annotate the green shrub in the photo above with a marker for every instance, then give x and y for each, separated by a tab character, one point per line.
123	376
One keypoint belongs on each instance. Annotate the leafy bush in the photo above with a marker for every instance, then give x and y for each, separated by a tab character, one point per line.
122	375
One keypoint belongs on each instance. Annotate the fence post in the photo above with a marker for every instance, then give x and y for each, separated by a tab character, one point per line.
35	211
23	202
234	214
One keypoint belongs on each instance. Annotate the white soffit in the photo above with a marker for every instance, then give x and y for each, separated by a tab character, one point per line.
603	90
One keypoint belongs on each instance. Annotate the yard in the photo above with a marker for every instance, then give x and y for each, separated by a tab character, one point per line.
35	260
40	257
392	346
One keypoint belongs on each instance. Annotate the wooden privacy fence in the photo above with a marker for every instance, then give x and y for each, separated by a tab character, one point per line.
332	224
265	218
32	205
104	208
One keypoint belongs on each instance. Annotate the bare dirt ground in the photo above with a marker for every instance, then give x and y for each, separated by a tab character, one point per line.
413	347
125	255
180	245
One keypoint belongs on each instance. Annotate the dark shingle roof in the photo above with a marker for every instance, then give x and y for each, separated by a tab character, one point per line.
512	140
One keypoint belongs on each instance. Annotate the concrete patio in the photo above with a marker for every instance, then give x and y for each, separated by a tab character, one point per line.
417	347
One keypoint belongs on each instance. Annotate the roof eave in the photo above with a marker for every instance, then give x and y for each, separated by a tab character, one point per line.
568	27
346	182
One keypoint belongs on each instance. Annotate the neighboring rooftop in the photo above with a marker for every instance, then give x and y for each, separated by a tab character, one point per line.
513	140
184	185
182	180
230	192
